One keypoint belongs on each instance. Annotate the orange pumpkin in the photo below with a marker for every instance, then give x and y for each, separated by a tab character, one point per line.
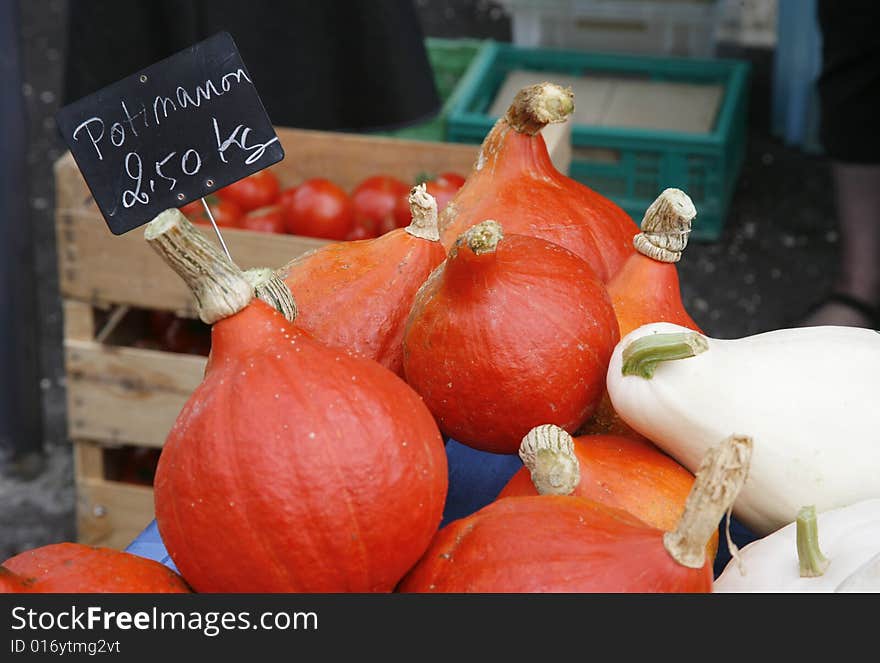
647	289
77	568
510	332
293	466
514	181
617	471
356	295
561	543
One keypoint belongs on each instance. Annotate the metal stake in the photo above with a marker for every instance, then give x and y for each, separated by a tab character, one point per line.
216	229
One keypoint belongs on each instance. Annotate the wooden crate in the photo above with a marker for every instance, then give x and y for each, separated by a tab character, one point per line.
118	395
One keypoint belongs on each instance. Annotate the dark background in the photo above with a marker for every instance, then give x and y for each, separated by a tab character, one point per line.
777	254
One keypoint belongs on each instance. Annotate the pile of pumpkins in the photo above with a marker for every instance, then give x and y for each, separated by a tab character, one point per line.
532	319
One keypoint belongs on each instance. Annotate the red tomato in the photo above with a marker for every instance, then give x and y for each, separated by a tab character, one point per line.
138	465
451	179
193	209
374	201
226	213
402	215
285	199
268	219
256	190
443	188
187	336
159	321
319	208
360	231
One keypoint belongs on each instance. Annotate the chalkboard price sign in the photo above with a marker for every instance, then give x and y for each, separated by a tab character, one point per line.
170	134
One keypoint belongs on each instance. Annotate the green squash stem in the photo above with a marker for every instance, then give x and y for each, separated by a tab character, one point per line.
642	355
810	559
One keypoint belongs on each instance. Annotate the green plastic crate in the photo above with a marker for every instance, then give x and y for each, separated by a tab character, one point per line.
450	60
705	165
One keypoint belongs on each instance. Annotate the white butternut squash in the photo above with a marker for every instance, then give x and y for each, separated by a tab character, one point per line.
834	551
809	397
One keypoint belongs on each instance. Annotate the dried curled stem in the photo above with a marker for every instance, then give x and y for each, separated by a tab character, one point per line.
536	106
423	207
666	226
717	483
218	285
483	237
548	452
270	288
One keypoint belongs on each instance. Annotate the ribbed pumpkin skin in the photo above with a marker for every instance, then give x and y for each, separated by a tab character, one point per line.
297	468
75	568
515	182
647	290
502	342
626	474
551	544
357	295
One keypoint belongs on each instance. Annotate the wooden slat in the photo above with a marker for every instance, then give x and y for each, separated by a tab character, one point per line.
98	267
112	514
347	159
79	320
343	158
71	191
126	395
88	459
101	268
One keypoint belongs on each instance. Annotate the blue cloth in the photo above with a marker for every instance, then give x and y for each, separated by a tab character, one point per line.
149	544
475	479
739	534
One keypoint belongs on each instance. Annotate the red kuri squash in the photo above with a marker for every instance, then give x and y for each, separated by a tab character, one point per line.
510	332
293	467
356	295
11	583
647	289
76	568
617	471
514	181
558	543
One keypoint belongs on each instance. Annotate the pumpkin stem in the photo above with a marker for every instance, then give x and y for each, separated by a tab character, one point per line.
423	207
536	106
548	452
219	286
483	237
270	288
642	355
810	559
717	483
666	226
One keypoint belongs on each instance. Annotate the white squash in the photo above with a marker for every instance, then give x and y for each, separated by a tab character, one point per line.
809	398
848	538
866	578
